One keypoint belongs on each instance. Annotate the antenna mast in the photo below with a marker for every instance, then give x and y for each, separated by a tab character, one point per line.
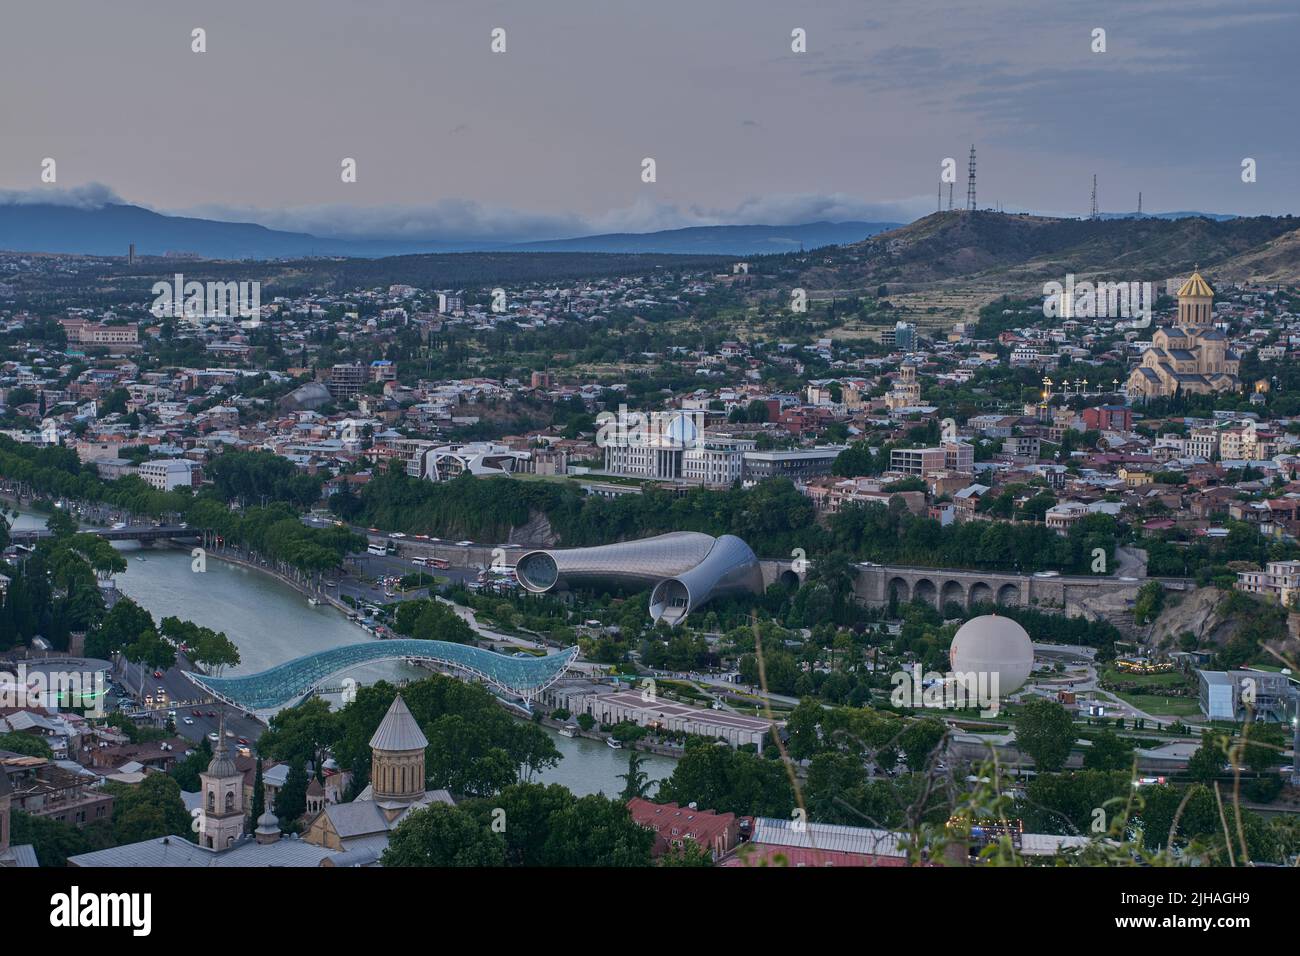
1094	196
970	181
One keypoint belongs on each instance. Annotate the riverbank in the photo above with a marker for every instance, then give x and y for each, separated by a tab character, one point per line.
266	615
644	746
308	592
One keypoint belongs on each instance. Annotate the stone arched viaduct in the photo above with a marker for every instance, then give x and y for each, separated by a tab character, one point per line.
1073	594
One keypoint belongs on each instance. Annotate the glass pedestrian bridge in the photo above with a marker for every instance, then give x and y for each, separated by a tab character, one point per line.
522	676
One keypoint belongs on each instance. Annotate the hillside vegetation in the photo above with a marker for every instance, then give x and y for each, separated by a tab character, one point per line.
1020	252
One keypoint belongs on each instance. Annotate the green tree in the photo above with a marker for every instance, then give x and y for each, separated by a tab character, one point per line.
28	744
186	771
61	524
54	841
689	853
441	835
1045	733
1150	601
1108	752
149	809
291	800
1206	764
305	733
526	810
1262	746
918	740
637	781
597	831
728	780
259	794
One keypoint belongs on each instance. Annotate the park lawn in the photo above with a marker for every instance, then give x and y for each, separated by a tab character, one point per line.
1162	706
1167	679
681	688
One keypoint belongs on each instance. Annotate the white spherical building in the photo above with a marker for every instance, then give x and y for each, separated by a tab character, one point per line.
993	644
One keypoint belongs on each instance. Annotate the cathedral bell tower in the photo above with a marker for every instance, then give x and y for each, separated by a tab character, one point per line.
222	820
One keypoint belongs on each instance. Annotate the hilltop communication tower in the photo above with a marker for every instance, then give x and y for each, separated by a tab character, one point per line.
1094	196
970	181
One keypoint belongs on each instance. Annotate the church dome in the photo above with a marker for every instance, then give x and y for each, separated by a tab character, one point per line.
1195	287
222	764
268	822
398	732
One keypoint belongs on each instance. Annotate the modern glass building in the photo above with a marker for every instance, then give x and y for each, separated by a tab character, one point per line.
684	570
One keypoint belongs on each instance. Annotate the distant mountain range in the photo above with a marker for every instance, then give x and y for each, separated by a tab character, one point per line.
110	229
718	240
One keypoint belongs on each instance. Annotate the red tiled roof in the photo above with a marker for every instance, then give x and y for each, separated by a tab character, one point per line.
701	826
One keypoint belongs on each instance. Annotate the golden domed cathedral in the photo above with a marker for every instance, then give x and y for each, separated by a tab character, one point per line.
1192	356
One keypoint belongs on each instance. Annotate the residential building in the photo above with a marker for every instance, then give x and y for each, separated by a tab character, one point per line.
955	456
673	826
167	474
1280	580
716	461
346	381
798	465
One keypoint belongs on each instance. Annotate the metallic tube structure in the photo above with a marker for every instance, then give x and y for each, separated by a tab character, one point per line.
684	569
729	568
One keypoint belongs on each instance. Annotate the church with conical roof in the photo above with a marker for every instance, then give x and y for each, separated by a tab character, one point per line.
1191	357
337	834
397	786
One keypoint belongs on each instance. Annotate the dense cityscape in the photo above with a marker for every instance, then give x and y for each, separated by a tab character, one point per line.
494	517
403	455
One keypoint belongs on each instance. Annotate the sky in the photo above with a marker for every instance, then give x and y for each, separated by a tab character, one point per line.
547	138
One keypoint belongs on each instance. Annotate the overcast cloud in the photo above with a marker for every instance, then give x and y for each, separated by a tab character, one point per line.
547	139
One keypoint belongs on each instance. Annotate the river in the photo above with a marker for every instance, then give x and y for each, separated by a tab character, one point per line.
272	623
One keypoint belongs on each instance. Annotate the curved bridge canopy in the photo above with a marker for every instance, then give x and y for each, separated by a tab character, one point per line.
289	682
